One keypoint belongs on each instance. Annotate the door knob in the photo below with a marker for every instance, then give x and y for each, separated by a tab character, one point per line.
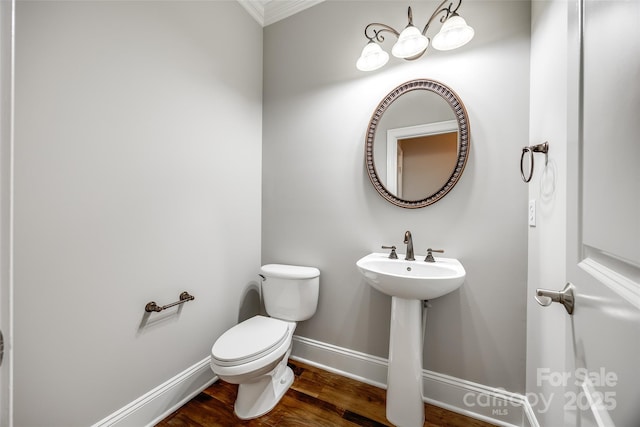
565	297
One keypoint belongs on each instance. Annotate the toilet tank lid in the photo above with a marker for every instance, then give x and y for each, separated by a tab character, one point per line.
289	271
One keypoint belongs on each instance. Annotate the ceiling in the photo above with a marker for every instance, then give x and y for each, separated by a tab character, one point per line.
267	12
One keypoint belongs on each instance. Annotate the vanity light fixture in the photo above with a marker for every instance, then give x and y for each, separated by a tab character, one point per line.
412	43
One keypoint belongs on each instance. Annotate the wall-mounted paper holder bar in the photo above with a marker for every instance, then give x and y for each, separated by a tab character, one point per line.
152	306
540	148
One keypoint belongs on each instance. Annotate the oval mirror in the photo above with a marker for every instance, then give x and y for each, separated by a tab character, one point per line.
417	143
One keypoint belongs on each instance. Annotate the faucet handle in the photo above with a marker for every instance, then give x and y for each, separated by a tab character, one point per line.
429	257
393	254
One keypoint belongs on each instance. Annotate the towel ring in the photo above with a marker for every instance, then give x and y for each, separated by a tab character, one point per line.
540	148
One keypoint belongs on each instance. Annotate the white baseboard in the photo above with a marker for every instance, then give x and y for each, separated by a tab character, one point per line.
157	404
349	363
496	406
490	404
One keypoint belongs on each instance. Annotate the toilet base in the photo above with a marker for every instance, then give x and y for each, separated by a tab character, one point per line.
259	397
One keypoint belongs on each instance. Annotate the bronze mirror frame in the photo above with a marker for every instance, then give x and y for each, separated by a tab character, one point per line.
463	140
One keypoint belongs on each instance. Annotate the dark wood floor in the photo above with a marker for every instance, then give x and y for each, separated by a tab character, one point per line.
317	398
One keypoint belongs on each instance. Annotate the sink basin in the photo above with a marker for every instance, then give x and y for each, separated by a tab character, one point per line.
418	280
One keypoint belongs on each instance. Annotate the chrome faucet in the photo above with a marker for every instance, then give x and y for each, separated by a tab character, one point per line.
409	241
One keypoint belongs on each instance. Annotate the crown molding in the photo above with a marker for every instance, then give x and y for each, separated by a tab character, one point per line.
266	12
255	8
277	10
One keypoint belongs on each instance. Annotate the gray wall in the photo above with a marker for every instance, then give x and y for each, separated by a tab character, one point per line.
6	36
547	241
137	176
320	209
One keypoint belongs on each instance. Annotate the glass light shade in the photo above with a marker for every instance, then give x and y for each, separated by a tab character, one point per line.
454	33
372	57
410	43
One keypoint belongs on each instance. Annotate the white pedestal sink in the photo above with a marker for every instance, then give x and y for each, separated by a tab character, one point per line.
408	283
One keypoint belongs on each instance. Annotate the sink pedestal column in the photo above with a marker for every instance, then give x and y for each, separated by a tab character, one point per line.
405	407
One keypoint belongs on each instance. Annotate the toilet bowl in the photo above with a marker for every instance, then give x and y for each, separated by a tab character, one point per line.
254	353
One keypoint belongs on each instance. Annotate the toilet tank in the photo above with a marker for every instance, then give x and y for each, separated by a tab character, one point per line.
290	292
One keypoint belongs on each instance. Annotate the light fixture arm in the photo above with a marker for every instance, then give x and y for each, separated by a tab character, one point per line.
378	31
447	13
375	34
412	43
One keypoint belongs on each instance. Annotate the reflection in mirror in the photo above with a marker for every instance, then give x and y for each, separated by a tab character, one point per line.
419	161
417	143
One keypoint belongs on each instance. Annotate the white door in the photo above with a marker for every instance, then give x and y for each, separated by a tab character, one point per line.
6	96
603	215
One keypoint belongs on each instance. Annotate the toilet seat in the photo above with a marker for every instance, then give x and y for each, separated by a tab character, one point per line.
249	340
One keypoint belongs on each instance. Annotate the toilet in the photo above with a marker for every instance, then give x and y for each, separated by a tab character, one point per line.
254	353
